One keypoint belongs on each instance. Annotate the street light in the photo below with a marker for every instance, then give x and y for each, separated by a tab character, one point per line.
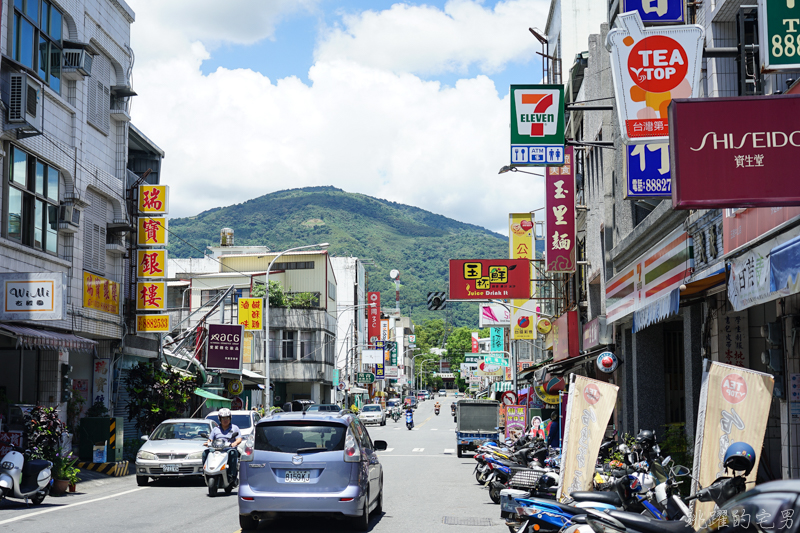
267	398
507	168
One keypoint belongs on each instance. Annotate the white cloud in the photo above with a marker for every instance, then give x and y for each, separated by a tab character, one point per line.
233	135
426	40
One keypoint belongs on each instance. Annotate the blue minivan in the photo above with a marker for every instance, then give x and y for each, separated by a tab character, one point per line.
312	462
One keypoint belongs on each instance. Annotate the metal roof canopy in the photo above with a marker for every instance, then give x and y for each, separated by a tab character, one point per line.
32	339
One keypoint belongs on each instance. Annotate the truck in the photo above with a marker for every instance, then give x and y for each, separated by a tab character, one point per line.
477	421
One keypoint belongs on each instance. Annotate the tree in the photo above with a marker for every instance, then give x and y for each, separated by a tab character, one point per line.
278	297
157	394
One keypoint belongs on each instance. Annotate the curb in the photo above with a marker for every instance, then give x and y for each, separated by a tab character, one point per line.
121	468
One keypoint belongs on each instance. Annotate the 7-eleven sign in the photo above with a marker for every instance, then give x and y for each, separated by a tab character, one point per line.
537	125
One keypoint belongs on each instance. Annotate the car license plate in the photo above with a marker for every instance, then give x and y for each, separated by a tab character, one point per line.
298	476
170	468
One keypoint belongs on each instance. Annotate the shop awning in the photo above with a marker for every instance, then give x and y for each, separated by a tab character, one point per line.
711	278
212	400
502	386
784	265
33	339
357	390
657	310
252	377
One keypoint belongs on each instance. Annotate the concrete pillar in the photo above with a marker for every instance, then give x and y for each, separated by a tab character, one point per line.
648	378
692	364
626	372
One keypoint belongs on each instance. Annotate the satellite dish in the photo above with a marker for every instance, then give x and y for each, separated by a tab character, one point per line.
394	274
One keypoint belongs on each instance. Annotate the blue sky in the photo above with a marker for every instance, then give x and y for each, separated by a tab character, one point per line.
291	53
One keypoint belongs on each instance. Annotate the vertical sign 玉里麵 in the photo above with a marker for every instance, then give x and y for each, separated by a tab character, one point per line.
559	242
373	317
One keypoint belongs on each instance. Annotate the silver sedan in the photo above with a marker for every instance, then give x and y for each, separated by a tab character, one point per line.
174	449
372	413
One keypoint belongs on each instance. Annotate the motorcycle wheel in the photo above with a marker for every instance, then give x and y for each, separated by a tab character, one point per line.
479	477
494	492
212	486
38	498
229	488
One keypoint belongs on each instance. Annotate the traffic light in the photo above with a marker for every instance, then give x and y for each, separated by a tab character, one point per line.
66	389
437	301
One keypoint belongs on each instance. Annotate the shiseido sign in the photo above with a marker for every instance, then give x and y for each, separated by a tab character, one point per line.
735	152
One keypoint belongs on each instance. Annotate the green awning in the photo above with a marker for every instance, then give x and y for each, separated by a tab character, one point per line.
212	400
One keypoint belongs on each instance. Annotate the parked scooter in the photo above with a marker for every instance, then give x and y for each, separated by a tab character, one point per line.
217	471
409	421
24	478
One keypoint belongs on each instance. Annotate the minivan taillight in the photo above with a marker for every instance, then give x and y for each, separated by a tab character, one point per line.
352	451
249	448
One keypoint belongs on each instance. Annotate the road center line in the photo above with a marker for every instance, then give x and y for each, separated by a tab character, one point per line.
37	513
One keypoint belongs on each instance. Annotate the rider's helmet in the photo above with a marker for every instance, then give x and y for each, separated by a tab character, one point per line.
740	456
224	413
646	438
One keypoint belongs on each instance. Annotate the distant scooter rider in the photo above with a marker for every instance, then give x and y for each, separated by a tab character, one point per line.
228	431
410	417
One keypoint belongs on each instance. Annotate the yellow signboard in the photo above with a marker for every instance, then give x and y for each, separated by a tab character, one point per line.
152	324
247	348
152	231
151	264
100	293
521	246
251	313
151	296
153	199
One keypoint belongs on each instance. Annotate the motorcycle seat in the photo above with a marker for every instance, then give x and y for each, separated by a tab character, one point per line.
34	466
646	525
611	498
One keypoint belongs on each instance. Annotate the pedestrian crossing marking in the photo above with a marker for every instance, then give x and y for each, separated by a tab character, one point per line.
418	450
434	429
449	450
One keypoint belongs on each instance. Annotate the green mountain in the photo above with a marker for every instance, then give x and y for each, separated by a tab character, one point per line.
385	234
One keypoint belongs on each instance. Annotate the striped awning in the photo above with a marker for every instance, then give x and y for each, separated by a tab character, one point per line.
502	386
33	339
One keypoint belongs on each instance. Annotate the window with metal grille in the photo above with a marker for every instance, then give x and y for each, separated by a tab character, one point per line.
94	234
99	105
32	189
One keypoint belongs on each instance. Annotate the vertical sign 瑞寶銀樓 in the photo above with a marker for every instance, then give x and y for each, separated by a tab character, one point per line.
559	242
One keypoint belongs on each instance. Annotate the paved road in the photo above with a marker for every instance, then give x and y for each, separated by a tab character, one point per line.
426	486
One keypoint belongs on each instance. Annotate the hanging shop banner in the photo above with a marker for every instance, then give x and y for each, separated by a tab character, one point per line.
379	371
657	11
374	317
647	171
152	231
371	357
154	199
251	313
151	296
33	296
734	340
485	369
484	279
559	242
779	26
247	348
719	160
152	324
151	264
476	347
589	409
537	125
524	319
497	338
566	336
493	315
520	232
646	286
596	333
516	420
384	336
650	67
103	294
733	401
748	282
224	349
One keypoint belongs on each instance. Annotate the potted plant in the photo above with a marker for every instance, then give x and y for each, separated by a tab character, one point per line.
62	473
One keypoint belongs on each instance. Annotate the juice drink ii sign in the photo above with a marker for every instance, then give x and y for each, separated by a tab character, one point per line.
650	67
537	125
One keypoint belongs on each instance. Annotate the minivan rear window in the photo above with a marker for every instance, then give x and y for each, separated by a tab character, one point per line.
300	436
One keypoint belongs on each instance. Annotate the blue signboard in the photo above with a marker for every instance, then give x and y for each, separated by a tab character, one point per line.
657	11
647	171
379	372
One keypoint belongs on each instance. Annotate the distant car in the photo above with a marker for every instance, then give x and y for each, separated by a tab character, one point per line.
245	420
310	463
421	395
410	401
372	413
442	392
325	407
298	405
174	449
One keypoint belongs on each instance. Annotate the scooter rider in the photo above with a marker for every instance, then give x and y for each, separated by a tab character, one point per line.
228	431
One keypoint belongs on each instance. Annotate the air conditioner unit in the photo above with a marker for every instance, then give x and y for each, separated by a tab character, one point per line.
25	104
69	218
76	64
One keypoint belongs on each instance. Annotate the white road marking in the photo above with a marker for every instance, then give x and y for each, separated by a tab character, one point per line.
389	450
434	429
396	428
29	515
449	450
418	450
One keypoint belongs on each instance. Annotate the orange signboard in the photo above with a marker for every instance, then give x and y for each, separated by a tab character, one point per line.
100	293
151	296
151	264
152	324
152	231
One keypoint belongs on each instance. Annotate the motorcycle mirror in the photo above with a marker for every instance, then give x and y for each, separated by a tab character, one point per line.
145	437
680	471
204	435
623	448
666	461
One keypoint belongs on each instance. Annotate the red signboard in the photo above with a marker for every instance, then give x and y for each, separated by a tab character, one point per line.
484	279
374	317
735	152
566	339
741	226
560	207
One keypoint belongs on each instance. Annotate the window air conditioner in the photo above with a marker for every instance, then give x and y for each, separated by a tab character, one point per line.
69	215
25	102
76	64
